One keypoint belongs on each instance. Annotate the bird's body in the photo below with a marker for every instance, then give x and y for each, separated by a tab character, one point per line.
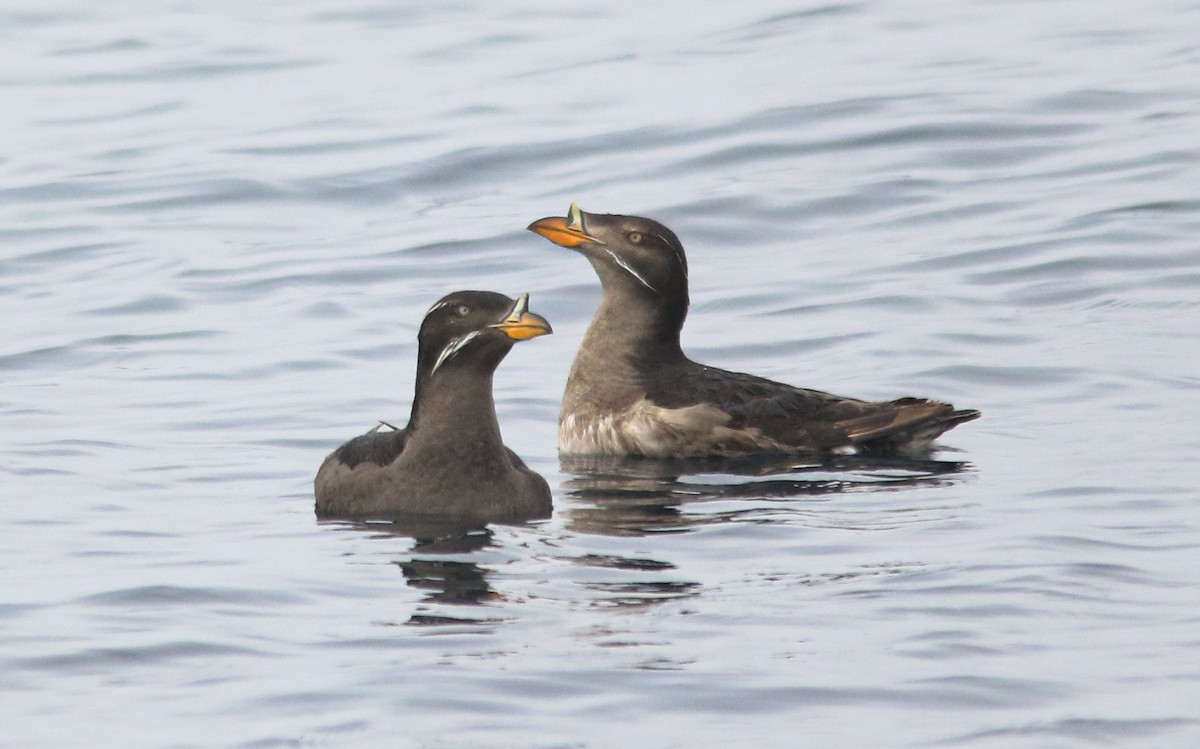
699	411
632	390
450	460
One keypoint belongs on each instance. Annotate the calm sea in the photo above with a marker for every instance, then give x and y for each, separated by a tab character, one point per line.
221	223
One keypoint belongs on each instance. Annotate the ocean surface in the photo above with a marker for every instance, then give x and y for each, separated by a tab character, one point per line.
222	222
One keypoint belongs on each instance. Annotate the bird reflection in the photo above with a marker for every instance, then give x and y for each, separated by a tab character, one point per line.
444	581
623	496
447	581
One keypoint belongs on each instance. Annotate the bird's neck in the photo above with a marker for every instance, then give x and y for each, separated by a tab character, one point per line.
454	412
626	338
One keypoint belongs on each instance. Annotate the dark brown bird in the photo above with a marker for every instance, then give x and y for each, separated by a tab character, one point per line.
632	390
449	461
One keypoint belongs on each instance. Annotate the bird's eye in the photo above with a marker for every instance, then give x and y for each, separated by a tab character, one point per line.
635	237
462	310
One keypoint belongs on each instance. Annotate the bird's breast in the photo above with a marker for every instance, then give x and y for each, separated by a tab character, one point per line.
653	431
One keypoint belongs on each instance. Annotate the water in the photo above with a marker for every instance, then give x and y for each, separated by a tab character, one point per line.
221	223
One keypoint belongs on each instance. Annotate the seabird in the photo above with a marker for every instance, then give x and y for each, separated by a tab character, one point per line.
450	460
632	390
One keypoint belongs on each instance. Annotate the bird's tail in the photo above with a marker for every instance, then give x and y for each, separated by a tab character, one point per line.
905	423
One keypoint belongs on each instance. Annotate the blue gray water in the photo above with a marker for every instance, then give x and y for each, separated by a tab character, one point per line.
221	223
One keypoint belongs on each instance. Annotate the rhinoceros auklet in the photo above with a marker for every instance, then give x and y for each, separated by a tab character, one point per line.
450	460
632	391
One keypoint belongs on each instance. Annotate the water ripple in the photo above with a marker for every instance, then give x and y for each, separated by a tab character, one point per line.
222	225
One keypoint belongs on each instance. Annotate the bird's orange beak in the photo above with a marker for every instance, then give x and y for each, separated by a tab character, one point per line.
565	232
521	324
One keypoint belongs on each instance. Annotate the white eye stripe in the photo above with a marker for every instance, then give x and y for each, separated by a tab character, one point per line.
632	272
453	348
438	306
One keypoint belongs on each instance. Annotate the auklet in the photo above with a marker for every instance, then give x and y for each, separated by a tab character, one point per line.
632	390
449	461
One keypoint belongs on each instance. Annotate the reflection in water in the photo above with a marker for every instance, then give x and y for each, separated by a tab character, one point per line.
620	496
639	592
638	497
446	581
443	565
429	534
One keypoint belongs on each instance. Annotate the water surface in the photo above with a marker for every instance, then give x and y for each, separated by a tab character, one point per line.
221	223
